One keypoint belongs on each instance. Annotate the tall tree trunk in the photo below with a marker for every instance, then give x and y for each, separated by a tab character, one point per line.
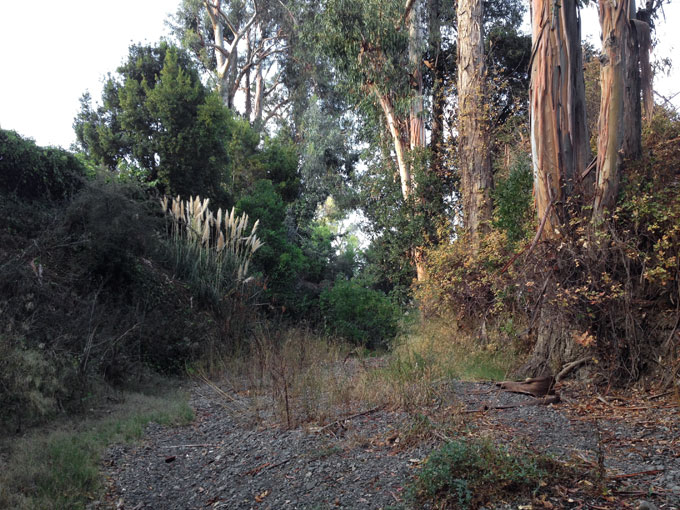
438	97
559	134
246	88
473	121
259	94
415	56
398	142
620	117
417	113
560	150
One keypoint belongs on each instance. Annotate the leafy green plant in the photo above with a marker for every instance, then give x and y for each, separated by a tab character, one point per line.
466	474
512	199
363	316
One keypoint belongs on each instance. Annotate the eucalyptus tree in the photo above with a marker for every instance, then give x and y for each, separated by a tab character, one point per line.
473	120
559	137
377	49
625	77
238	42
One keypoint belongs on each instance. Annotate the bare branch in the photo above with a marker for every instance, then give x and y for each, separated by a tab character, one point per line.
407	11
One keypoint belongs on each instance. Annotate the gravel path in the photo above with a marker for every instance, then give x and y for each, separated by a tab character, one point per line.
221	462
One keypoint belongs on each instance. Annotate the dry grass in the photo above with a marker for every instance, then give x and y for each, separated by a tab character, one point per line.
304	378
418	371
289	371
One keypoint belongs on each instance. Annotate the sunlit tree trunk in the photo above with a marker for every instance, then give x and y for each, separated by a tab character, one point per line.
398	142
417	112
226	53
559	134
247	85
473	121
620	114
415	56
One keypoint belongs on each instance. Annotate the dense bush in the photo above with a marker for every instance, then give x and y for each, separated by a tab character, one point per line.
363	316
280	260
513	200
34	172
467	474
88	292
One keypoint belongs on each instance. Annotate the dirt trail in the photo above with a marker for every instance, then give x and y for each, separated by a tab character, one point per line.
221	461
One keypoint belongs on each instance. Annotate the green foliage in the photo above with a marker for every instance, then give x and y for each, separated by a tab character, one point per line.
279	259
466	474
30	384
157	114
466	286
87	294
34	172
363	316
279	159
513	201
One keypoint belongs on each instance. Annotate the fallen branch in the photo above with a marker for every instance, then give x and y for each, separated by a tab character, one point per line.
639	473
551	399
569	367
192	446
285	461
659	395
536	387
346	418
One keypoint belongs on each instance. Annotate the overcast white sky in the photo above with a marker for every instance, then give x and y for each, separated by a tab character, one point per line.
53	51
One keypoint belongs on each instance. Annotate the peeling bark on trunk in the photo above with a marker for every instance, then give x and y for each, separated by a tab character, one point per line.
620	118
560	150
415	55
473	121
559	135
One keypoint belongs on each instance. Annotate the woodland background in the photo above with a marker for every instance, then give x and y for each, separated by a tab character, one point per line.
517	193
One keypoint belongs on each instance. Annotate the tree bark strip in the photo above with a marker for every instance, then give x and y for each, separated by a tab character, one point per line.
559	134
473	121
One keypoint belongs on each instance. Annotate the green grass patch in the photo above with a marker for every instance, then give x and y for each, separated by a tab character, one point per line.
465	474
60	468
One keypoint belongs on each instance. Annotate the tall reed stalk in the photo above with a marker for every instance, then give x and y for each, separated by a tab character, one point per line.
212	250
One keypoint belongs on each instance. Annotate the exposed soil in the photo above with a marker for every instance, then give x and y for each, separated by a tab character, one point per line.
223	460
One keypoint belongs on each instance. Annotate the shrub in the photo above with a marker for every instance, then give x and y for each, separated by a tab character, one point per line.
513	200
363	316
280	259
470	473
30	384
34	172
212	251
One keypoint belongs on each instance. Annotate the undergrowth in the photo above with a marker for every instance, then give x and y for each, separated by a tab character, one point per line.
469	473
60	468
606	292
306	377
